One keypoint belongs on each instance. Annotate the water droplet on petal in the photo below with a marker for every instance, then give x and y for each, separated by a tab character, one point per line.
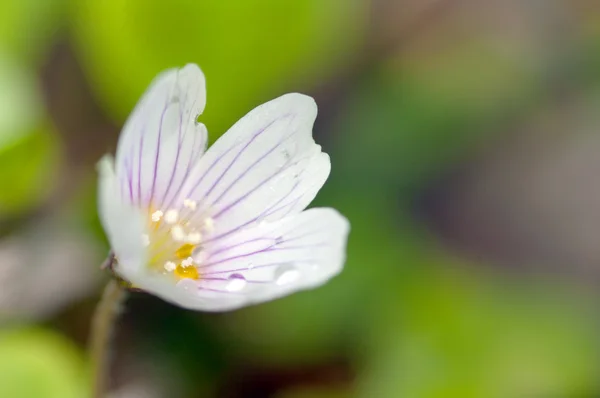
236	282
286	274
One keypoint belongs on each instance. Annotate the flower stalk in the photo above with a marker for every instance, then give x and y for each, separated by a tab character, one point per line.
103	326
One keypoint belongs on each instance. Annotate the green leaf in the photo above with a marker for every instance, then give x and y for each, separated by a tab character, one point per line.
36	363
28	26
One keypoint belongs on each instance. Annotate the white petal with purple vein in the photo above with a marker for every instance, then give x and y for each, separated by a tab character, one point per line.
266	262
162	140
123	223
267	166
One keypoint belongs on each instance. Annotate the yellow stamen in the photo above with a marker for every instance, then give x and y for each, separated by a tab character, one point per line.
186	272
185	251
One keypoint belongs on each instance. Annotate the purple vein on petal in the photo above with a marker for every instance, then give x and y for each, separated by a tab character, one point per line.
236	229
261	251
129	168
300	227
220	157
239	177
289	205
270	211
265	213
257	161
273	264
225	249
260	185
158	151
128	177
231	231
181	139
237	156
213	164
191	162
179	143
310	233
210	279
140	166
210	289
227	259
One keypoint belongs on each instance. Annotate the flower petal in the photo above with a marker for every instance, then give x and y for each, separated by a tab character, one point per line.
123	223
266	167
162	140
262	263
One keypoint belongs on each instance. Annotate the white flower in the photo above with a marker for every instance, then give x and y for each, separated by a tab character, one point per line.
219	229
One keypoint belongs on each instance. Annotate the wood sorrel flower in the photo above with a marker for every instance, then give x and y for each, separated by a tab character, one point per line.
219	229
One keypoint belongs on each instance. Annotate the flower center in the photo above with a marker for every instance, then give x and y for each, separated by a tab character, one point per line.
174	240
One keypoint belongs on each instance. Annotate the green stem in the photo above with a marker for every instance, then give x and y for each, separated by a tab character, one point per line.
103	325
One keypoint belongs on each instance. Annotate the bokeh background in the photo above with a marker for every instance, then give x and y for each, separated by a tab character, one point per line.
465	142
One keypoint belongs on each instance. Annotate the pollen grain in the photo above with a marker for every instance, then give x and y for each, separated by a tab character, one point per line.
182	272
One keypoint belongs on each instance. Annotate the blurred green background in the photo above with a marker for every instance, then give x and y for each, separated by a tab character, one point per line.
465	145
